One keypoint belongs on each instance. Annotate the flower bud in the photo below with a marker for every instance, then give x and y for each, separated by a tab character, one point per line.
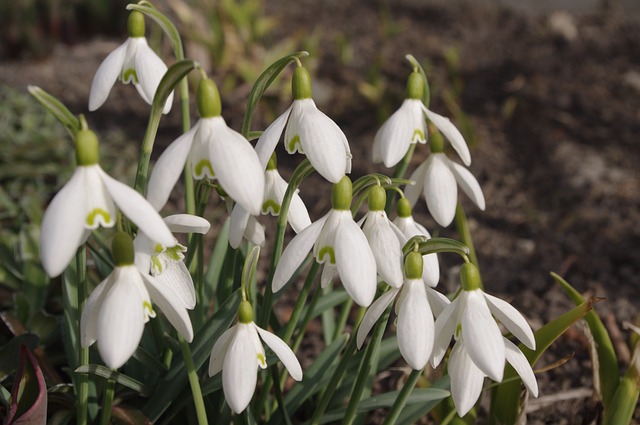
413	264
245	312
122	249
403	207
135	24
415	86
436	143
377	198
341	194
86	148
301	84
470	277
208	99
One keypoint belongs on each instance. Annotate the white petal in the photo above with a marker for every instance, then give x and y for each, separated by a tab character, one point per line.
512	320
63	226
295	253
297	216
468	184
440	189
235	164
386	248
121	318
412	191
284	353
254	232
437	301
398	132
451	133
177	277
143	253
446	324
415	325
466	379
373	314
89	318
187	223
355	262
431	270
237	225
106	75
329	271
138	210
171	304
169	168
269	139
481	336
219	351
239	371
521	366
150	70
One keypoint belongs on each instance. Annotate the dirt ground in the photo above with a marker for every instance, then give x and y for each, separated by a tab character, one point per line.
554	100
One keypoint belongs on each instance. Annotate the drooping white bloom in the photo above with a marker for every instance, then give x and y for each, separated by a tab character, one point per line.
120	305
133	61
438	178
239	352
409	227
166	264
416	304
89	200
339	244
308	131
469	319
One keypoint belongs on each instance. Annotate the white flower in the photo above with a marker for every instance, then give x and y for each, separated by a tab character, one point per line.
120	305
213	150
438	178
166	263
88	200
133	61
408	226
414	305
308	131
239	353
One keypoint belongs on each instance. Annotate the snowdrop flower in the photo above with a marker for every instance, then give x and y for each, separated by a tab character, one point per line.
308	131
213	150
133	61
339	244
274	189
409	228
239	353
480	350
416	304
166	264
118	308
438	178
407	125
88	200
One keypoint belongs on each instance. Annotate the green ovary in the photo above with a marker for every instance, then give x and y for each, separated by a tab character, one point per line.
327	250
130	75
92	216
200	167
271	204
291	146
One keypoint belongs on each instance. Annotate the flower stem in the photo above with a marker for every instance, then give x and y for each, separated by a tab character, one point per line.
83	386
193	381
401	401
398	173
462	226
107	402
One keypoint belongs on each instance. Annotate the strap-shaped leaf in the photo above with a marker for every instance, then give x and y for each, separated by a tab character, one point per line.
56	108
120	378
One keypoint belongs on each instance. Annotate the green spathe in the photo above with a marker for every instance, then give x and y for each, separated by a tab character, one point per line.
208	99
415	86
245	312
341	194
301	84
135	24
470	277
377	198
122	249
86	148
413	264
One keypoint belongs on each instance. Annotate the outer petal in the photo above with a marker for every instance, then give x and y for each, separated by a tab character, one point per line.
138	210
150	69
295	253
431	266
177	277
512	320
269	139
89	318
254	232
187	223
219	351
440	189
63	226
451	133
437	301
385	246
373	314
237	225
355	262
284	353
236	165
106	75
522	366
169	168
239	371
415	325
412	191
297	216
396	135
445	327
329	271
466	379
142	249
171	304
482	337
468	184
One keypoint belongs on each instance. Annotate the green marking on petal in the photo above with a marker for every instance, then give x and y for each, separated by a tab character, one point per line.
272	205
158	248
201	166
327	250
291	146
261	359
129	75
148	309
417	135
458	330
156	263
92	216
175	253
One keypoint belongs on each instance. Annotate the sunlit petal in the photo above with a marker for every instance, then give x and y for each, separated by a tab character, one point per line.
187	223
89	318
219	351
373	314
466	379
177	277
468	184
106	76
512	320
269	139
445	327
239	371
395	136
452	134
171	304
284	353
237	225
150	69
440	189
517	359
415	325
329	271
412	191
386	247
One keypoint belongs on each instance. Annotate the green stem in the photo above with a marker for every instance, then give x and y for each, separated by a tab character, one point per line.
83	386
302	298
398	173
401	401
198	401
107	402
342	319
462	226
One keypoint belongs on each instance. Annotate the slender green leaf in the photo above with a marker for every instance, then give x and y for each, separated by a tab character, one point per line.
624	401
329	300
212	277
120	378
56	108
413	412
